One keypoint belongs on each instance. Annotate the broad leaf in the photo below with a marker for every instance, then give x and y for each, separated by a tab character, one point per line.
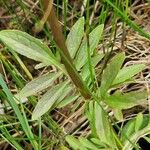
111	72
74	37
127	72
48	99
38	85
28	46
127	100
94	38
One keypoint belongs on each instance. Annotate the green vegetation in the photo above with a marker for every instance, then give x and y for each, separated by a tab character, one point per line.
74	74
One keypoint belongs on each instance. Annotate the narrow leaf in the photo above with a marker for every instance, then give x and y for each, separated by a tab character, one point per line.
38	85
22	118
118	114
74	143
128	100
67	100
95	60
111	72
87	143
127	72
138	122
47	100
28	46
74	37
103	127
94	38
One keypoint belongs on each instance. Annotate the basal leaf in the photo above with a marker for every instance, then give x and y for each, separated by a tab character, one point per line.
48	99
38	85
111	72
28	46
94	38
74	37
127	100
127	72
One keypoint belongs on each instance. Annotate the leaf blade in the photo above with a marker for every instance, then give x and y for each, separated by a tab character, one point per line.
75	36
111	72
38	85
47	100
94	38
127	72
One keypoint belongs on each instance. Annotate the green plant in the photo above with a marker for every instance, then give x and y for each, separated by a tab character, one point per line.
96	97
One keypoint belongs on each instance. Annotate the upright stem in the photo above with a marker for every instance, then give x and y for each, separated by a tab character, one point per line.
65	56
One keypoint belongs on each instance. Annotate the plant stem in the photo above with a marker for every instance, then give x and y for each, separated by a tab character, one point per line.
65	56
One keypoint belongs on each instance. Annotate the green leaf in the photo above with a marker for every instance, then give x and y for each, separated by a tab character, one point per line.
127	100
111	72
62	147
74	37
138	122
85	142
95	60
38	85
127	130
67	100
94	38
127	72
48	99
147	139
28	46
130	136
74	143
22	118
103	127
118	114
9	138
100	144
90	114
65	94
